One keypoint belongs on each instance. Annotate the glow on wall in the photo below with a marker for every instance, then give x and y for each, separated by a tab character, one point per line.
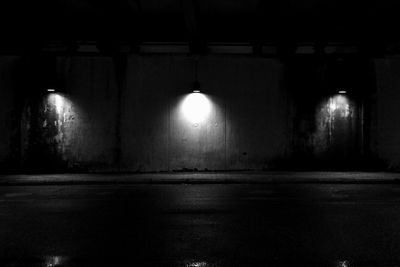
196	107
58	103
58	113
338	104
50	126
336	132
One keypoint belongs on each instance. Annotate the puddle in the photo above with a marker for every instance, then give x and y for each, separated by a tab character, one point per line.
197	263
53	261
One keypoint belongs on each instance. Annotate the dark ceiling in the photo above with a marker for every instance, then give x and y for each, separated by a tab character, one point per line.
201	21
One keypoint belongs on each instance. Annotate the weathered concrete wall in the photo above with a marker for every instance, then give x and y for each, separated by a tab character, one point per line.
251	92
336	134
137	123
90	137
198	144
74	127
9	116
246	127
127	114
91	84
328	130
151	81
388	108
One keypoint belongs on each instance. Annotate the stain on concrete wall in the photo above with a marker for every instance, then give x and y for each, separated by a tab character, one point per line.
73	128
93	91
336	137
328	128
46	126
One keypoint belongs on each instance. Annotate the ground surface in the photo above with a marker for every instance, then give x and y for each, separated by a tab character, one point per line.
203	177
200	225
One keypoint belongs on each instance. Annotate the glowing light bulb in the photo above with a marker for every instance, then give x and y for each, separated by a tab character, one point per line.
196	107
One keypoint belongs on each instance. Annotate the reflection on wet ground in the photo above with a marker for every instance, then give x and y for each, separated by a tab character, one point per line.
52	261
46	261
199	264
200	225
62	261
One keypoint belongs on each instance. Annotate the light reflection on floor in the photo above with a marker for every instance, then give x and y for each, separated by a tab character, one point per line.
62	261
197	264
342	263
53	261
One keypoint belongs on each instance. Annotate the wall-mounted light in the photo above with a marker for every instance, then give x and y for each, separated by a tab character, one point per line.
51	90
342	92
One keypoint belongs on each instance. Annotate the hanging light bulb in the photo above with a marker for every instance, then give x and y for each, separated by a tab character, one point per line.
196	106
196	83
196	87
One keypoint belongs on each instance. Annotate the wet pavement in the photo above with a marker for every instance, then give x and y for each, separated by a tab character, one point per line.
200	225
233	177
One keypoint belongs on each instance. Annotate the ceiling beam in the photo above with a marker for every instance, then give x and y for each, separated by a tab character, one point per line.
197	43
136	10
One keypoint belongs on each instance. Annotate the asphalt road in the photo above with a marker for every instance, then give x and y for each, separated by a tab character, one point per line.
200	225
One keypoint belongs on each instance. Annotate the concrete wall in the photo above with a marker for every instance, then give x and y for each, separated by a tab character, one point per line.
387	111
73	128
245	128
125	114
91	86
255	109
146	101
9	119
